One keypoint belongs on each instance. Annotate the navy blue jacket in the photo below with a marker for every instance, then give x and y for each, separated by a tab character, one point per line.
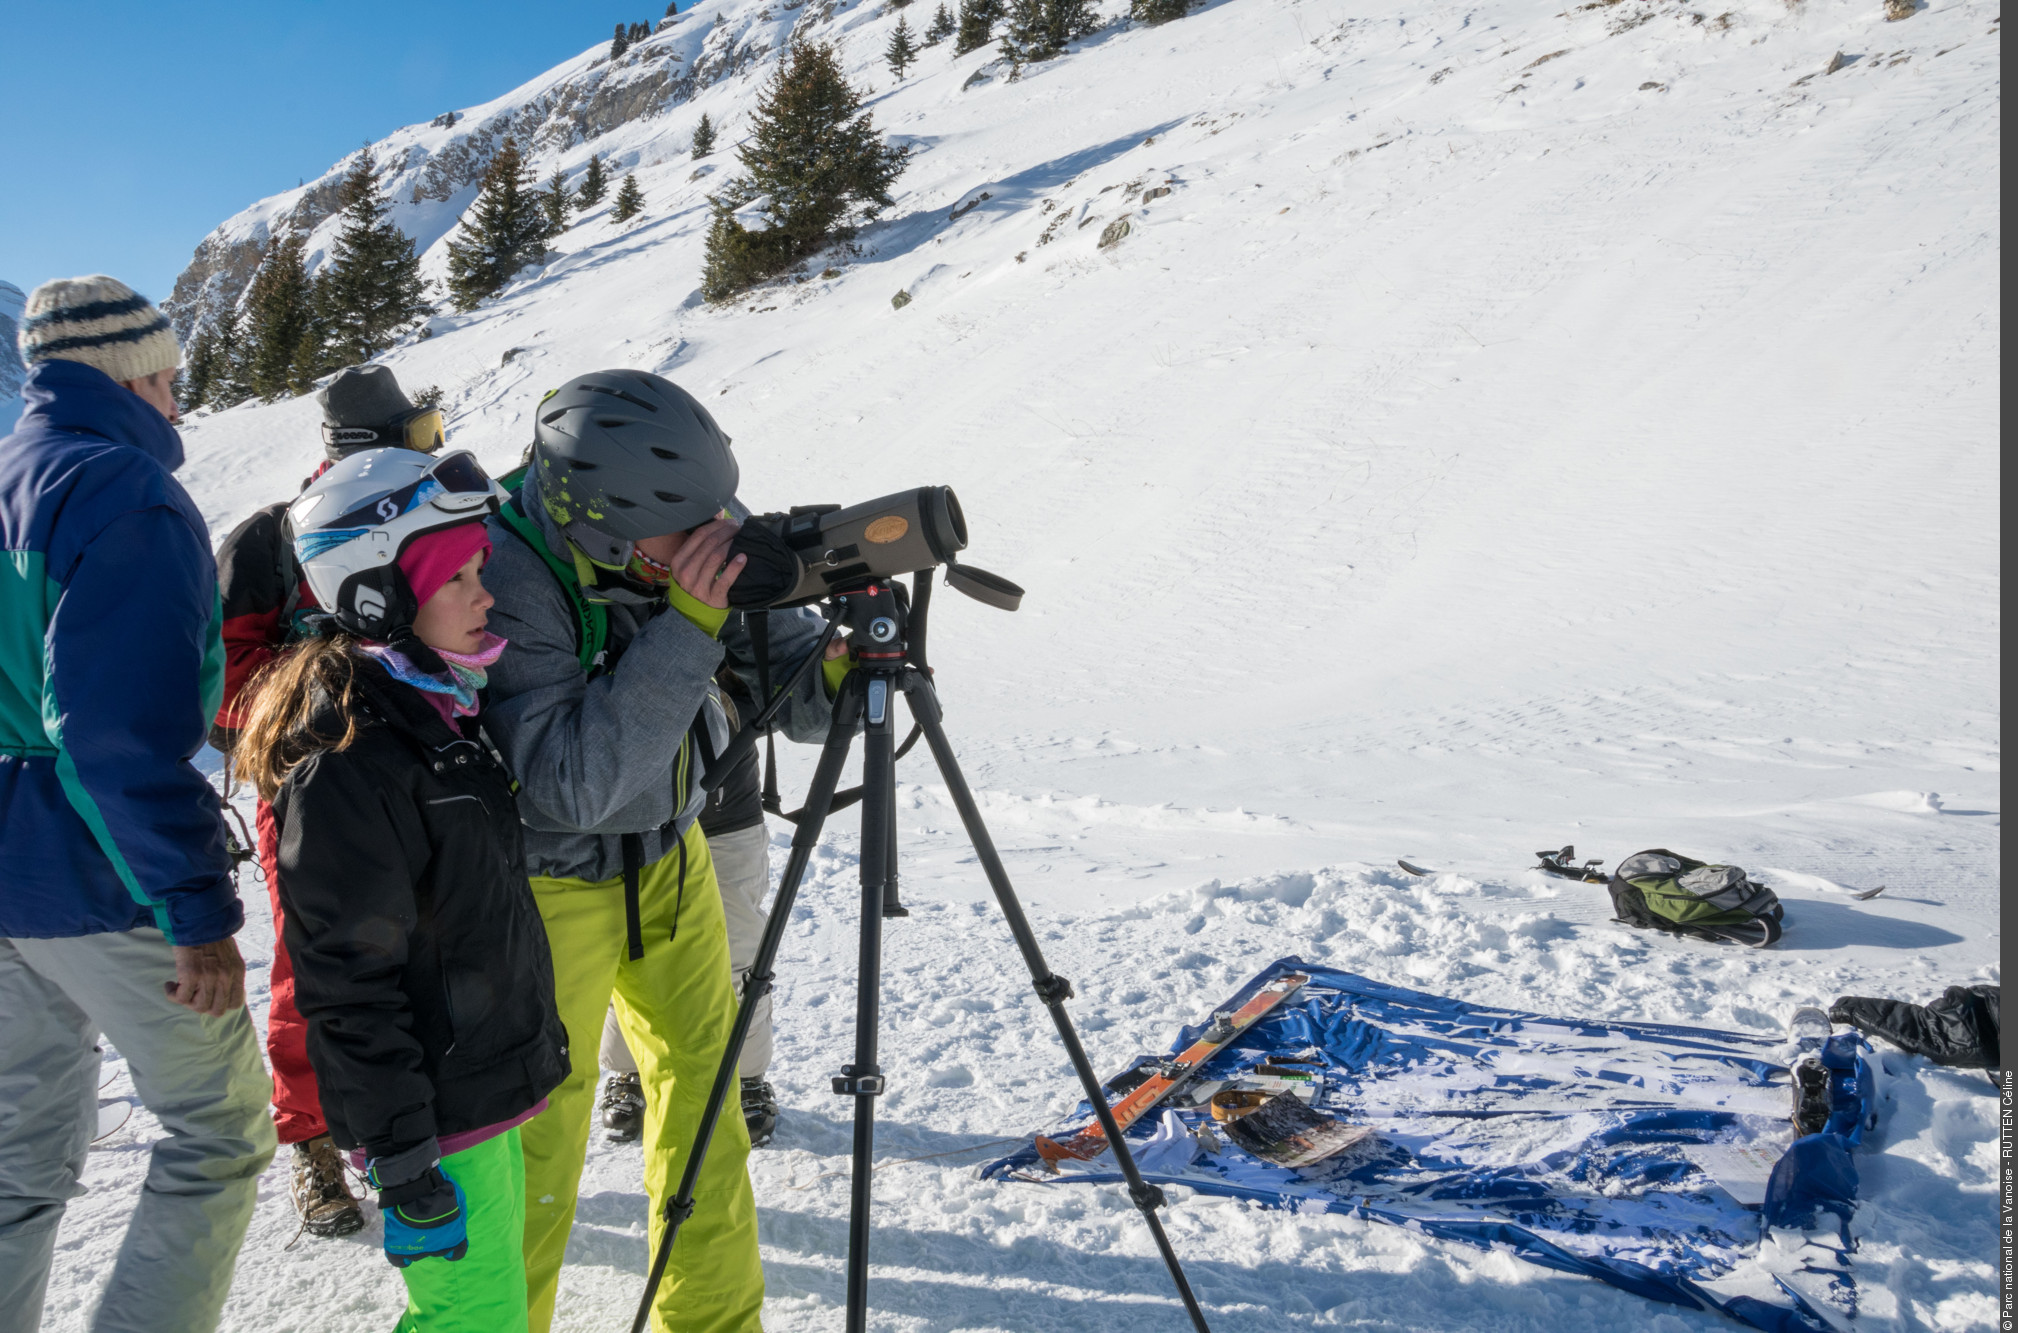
111	667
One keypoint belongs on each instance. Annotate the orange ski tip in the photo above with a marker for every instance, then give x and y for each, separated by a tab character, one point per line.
1073	1149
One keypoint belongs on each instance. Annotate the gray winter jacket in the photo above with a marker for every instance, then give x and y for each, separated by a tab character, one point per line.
599	758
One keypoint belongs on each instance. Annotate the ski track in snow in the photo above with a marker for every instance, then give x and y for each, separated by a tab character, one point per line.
1476	451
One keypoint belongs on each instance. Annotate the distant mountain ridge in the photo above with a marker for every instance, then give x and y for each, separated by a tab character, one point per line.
431	171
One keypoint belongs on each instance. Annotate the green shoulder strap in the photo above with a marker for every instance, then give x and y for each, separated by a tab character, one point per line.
592	622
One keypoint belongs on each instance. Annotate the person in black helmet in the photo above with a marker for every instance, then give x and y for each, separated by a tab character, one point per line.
264	599
611	572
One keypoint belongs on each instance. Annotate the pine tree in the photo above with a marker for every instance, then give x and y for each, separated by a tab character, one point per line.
595	184
1039	29
630	200
704	137
902	52
941	26
228	386
1072	19
673	8
277	309
620	43
977	25
817	156
199	371
555	201
503	231
312	356
372	285
1157	11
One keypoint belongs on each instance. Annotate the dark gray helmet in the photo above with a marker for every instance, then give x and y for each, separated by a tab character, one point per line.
626	455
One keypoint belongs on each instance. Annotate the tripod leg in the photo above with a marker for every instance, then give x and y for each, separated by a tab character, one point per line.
1052	989
840	735
864	1078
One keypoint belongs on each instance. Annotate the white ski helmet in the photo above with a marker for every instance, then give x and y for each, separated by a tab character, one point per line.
349	528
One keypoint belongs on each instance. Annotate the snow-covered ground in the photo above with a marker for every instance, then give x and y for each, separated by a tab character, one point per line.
1514	427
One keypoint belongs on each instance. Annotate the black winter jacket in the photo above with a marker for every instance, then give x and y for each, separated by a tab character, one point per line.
420	961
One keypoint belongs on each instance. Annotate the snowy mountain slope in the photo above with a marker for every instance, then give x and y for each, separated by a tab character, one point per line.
13	301
1475	450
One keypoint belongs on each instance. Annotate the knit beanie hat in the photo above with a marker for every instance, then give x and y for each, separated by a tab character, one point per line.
100	322
432	559
366	397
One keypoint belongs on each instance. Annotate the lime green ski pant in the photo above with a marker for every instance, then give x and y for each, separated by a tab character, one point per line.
676	1005
485	1290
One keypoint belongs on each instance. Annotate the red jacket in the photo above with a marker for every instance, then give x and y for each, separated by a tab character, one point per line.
262	590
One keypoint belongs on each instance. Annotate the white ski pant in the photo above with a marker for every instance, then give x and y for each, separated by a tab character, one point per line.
201	1077
743	866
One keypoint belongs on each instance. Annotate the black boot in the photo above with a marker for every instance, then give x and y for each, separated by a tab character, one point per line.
623	1108
760	1111
1811	1096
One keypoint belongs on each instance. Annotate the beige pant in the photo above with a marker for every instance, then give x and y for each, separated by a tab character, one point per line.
201	1077
743	867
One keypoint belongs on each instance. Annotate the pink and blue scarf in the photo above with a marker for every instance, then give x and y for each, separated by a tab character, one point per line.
467	672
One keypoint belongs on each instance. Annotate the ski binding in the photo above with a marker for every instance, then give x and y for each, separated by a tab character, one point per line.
1171	1074
1562	864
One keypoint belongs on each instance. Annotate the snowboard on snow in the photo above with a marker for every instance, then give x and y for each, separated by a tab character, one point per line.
1167	1076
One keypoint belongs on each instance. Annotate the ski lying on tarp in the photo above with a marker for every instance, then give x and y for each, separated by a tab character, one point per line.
1167	1076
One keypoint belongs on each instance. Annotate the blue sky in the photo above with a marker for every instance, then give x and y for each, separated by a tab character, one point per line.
134	128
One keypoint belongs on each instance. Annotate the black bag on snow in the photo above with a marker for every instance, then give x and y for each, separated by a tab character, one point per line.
1958	1029
1660	890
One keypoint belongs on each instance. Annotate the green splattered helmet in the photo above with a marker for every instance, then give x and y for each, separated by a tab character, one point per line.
622	455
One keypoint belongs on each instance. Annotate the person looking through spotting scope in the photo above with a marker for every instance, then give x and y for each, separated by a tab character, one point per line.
266	602
612	575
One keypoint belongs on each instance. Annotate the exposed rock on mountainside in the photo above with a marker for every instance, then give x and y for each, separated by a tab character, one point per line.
12	302
425	167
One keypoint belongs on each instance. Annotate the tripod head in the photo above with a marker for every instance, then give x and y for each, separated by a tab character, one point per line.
887	622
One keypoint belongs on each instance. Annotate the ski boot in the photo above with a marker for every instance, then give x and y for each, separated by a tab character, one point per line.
1806	1032
623	1108
760	1111
320	1191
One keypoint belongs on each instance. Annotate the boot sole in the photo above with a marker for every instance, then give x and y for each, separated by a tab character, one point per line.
347	1223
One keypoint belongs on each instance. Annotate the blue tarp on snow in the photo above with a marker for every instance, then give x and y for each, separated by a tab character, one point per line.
1574	1144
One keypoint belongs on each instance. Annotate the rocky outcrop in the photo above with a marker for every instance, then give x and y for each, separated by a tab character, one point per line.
222	266
12	302
419	164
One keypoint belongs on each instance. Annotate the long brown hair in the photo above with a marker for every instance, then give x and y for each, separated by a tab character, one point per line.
280	725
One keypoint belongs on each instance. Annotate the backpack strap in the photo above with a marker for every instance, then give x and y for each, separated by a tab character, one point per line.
592	622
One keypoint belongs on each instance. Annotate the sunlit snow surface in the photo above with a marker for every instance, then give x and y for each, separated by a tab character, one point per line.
1475	451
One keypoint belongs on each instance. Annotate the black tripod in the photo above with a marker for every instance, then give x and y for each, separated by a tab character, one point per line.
890	655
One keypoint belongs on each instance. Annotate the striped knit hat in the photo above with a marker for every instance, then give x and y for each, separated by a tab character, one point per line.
101	322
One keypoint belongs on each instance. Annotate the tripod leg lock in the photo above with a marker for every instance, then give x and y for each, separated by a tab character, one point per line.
1053	989
849	1083
678	1210
1147	1197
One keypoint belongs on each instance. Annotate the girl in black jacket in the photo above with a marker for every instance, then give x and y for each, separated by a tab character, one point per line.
420	962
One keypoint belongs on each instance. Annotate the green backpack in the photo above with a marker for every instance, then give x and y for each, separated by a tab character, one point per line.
1660	890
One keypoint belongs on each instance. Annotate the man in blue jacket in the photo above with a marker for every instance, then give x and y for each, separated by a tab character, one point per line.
116	906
